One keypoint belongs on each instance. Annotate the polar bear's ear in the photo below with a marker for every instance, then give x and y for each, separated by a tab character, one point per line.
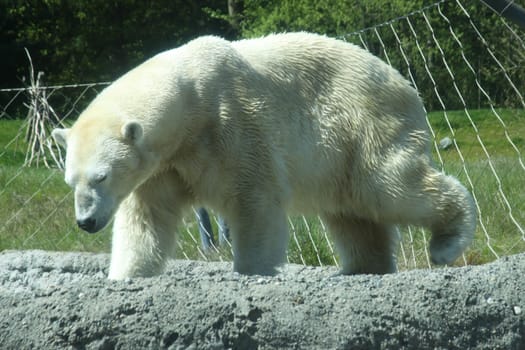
60	136
132	131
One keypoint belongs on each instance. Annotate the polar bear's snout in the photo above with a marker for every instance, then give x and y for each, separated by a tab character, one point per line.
88	225
93	209
93	223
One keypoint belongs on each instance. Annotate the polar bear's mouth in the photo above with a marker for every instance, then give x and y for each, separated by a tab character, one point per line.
92	225
89	225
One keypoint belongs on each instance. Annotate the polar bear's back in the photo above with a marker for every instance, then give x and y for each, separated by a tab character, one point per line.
321	65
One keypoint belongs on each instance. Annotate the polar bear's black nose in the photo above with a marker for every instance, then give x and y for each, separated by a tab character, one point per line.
88	224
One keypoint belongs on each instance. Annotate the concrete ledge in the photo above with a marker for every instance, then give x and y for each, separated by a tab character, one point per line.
63	300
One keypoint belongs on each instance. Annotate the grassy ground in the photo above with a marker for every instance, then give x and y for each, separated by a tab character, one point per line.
490	159
36	207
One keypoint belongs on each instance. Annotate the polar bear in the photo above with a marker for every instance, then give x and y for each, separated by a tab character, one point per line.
255	129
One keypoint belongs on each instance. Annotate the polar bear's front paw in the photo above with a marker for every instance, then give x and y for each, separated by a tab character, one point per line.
445	249
123	271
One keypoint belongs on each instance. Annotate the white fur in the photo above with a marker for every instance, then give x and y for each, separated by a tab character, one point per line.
255	129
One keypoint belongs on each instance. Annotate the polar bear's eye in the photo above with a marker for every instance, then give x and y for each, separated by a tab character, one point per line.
100	178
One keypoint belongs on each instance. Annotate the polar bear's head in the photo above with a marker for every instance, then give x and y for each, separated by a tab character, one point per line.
104	164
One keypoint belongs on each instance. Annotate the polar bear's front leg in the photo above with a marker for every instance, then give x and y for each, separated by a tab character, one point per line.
142	241
144	232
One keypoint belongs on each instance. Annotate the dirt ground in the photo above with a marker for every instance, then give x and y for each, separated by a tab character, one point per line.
64	301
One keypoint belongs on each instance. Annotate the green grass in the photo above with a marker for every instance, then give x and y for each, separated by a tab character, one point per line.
36	207
494	134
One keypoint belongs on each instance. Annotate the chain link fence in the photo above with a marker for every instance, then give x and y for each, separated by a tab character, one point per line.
475	111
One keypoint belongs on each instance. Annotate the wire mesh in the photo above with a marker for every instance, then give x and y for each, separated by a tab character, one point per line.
483	124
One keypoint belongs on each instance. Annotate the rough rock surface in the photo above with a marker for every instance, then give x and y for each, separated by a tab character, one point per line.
63	300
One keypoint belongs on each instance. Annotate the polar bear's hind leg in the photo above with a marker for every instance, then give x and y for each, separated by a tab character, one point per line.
363	245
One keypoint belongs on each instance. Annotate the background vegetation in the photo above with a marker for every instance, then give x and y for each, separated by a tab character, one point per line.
98	40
